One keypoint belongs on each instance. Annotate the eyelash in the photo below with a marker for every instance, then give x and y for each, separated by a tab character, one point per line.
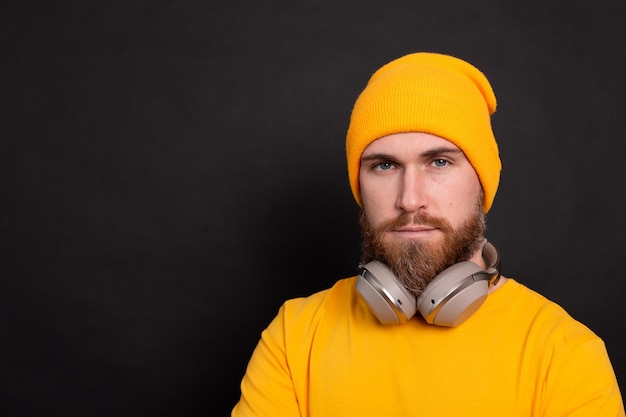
379	166
435	161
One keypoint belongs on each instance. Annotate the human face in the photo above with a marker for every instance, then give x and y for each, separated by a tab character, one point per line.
422	206
416	173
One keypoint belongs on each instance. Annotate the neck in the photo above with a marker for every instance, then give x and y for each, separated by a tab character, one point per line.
480	260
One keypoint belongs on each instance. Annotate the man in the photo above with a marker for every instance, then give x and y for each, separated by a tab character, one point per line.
429	327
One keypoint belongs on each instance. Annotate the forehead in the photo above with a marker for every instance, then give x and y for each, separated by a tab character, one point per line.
409	142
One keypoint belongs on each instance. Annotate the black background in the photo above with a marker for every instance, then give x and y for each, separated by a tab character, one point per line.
171	172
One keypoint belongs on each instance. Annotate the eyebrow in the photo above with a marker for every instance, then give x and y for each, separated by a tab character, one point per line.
431	152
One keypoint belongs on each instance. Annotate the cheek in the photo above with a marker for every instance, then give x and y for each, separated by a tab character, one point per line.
375	203
474	189
462	195
462	200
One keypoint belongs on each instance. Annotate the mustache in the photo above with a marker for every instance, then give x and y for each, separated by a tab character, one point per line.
406	219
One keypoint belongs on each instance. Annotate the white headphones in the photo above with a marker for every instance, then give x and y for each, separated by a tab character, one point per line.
448	300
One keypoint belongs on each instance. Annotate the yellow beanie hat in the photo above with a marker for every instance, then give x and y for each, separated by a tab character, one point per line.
431	93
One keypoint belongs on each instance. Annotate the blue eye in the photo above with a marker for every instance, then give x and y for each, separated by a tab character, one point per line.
384	166
440	162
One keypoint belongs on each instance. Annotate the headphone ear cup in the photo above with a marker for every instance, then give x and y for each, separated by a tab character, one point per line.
390	301
453	295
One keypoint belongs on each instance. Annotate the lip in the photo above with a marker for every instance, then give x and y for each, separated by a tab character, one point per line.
414	231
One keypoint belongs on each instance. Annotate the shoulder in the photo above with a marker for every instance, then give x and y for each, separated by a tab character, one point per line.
334	299
299	320
545	316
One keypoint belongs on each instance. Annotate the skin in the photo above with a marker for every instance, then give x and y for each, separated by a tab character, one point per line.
418	172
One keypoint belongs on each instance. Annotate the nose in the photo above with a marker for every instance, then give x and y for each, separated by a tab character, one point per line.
412	195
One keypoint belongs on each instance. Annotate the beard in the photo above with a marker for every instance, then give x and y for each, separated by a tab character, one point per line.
416	263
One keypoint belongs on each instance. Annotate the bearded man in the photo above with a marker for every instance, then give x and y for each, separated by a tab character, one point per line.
429	327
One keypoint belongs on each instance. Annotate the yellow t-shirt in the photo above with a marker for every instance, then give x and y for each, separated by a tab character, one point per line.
519	355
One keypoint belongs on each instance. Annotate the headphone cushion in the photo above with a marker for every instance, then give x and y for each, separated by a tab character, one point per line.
390	301
454	295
